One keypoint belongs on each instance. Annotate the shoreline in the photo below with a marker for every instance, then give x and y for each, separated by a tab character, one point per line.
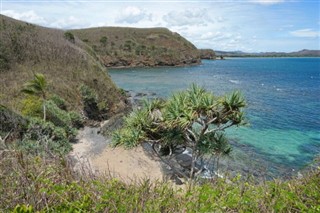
94	155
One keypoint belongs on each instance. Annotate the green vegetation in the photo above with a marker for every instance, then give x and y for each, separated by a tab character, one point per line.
37	175
194	118
69	36
27	49
118	46
52	186
37	87
104	41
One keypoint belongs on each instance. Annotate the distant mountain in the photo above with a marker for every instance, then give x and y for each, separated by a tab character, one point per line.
139	47
301	53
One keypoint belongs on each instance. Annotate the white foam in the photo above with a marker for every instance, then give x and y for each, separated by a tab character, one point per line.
234	81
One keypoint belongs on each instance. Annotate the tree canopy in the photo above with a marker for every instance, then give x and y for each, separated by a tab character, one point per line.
194	118
37	86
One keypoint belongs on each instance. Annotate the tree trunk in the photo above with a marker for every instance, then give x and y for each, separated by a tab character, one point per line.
44	112
193	163
218	158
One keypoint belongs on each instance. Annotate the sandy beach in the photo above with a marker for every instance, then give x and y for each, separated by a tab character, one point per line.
93	151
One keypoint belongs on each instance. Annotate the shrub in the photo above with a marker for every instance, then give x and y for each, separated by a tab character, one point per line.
60	102
87	93
57	116
44	138
32	106
69	36
4	62
89	99
76	119
104	40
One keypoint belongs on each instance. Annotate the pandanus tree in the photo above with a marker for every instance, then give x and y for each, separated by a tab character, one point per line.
37	86
194	118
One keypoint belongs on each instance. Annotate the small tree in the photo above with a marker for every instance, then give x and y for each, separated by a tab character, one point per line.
37	87
194	118
69	36
104	41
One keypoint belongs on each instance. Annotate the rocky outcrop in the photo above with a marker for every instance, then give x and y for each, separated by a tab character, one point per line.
207	54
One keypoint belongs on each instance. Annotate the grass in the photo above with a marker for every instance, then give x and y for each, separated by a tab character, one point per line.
32	182
51	185
123	46
27	49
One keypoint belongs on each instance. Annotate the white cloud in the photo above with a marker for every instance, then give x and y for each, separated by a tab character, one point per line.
267	2
67	23
187	17
133	15
305	33
28	16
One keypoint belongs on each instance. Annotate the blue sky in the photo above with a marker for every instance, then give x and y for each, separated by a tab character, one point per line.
245	25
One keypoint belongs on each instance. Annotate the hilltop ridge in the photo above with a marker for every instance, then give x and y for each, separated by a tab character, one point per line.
139	47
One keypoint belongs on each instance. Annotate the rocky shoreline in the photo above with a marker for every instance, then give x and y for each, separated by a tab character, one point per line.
94	147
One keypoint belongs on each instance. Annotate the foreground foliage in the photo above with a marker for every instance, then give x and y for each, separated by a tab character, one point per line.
194	119
35	184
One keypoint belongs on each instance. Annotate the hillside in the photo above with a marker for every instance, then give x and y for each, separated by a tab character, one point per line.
207	54
301	53
67	63
138	47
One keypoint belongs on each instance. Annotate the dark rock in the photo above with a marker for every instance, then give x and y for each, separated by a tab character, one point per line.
91	109
112	124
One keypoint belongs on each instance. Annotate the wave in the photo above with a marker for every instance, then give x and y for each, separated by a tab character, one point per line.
234	81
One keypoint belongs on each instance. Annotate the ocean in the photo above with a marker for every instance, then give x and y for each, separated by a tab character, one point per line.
283	96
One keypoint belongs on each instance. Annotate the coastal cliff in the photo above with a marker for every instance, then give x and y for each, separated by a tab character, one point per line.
139	47
207	54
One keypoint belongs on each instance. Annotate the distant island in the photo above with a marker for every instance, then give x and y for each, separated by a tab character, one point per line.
301	53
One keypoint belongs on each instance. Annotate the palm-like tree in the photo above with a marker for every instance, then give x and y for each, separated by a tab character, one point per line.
37	86
194	118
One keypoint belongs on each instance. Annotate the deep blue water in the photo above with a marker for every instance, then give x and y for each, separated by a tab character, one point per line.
283	96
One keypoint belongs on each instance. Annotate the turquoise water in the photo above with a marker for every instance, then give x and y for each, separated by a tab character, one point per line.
283	96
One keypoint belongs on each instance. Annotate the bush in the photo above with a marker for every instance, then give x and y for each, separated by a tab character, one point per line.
69	36
4	62
32	106
76	119
104	40
56	115
44	138
89	99
60	102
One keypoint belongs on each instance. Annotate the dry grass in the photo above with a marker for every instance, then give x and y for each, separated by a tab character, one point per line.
51	185
139	46
29	49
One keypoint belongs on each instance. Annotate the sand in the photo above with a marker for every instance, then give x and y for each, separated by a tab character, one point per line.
94	153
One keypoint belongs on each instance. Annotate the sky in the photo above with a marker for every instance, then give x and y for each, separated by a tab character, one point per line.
228	25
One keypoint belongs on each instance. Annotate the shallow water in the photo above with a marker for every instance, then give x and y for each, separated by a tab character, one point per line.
283	96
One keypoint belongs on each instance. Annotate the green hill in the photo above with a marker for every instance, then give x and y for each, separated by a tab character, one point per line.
66	62
138	47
